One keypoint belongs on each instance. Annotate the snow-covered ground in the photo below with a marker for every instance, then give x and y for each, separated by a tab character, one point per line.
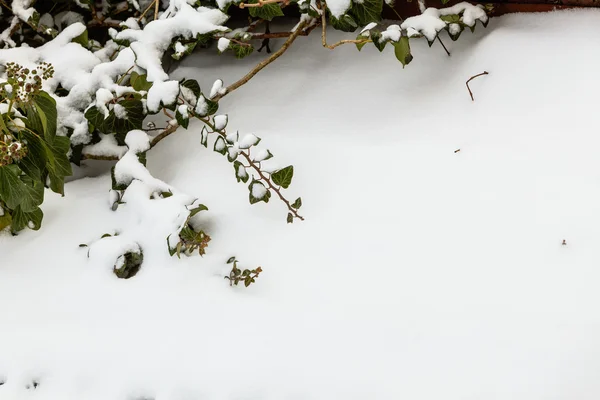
419	273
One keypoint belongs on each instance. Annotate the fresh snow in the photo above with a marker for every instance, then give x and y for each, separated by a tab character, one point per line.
223	44
421	272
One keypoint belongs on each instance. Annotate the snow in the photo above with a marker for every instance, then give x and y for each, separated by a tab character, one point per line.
258	190
420	272
220	122
338	7
368	27
223	44
248	141
429	22
217	88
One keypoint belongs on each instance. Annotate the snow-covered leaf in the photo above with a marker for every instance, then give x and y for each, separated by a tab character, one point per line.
267	11
220	145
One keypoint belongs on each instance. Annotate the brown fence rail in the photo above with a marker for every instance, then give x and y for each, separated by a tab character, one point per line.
409	8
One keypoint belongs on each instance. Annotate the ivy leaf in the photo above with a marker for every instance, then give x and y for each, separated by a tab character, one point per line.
283	177
82	39
376	38
359	46
134	110
193	85
182	120
266	12
290	218
220	145
139	82
298	203
204	137
240	172
345	23
241	51
402	51
367	11
26	219
258	192
187	49
197	209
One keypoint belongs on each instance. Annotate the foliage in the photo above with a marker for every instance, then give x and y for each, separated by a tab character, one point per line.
31	154
114	78
236	275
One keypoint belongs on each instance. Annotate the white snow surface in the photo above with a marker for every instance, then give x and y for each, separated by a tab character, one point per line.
420	272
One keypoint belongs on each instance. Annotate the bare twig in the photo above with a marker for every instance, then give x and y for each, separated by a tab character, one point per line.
147	9
155	10
470	79
341	42
443	45
263	63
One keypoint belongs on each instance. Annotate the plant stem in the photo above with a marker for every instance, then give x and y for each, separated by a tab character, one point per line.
263	63
470	79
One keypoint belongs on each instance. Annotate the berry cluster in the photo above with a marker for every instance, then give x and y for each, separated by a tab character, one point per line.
10	152
26	83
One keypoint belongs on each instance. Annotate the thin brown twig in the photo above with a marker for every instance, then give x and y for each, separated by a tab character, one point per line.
246	155
155	10
341	42
263	63
470	79
147	9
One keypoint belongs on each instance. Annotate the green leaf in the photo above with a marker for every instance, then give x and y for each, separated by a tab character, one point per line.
34	194
240	172
402	51
377	42
204	137
117	126
298	203
359	46
82	39
241	51
42	115
26	219
367	11
267	11
58	164
290	218
345	23
193	85
197	209
5	220
283	177
182	120
265	197
12	189
451	19
230	260
188	48
220	145
139	82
